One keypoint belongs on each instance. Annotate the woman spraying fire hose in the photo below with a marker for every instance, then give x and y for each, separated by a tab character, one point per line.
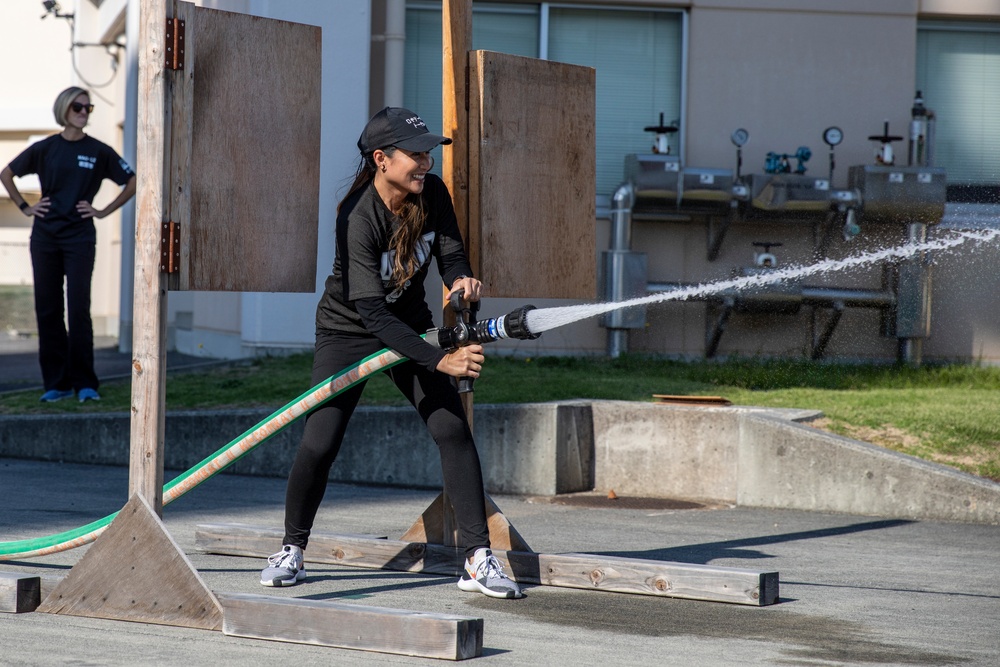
395	217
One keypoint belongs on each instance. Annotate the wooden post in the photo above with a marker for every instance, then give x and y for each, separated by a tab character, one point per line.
150	284
456	40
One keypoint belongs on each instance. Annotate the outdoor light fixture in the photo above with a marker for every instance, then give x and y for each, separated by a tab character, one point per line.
52	7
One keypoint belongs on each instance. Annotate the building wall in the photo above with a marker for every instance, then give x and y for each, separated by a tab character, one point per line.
38	65
25	113
783	69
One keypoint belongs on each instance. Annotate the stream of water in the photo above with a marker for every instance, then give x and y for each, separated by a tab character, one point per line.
544	319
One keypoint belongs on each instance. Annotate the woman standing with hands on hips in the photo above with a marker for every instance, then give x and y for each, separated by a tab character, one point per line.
71	166
393	220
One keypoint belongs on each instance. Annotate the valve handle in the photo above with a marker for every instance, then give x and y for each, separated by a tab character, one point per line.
465	317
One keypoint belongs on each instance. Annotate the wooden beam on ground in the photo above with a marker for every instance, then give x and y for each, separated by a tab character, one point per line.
352	626
584	571
19	593
136	572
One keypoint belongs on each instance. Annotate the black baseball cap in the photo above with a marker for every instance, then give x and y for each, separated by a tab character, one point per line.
395	126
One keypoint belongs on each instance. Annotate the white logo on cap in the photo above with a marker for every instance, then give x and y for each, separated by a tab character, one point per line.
415	121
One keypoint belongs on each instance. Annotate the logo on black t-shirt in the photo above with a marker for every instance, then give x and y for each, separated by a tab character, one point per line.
86	161
423	254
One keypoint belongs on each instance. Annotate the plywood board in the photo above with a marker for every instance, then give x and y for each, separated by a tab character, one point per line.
136	572
253	172
532	183
585	571
353	626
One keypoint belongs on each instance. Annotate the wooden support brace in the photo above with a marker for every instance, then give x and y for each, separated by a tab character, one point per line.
149	580
585	571
435	526
352	626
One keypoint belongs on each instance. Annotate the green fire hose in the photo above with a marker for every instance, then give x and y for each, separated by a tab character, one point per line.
218	461
466	331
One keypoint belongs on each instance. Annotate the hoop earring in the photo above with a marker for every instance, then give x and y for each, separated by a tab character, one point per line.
382	166
432	163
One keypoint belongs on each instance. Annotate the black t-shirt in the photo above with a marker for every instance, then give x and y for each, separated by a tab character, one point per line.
360	298
70	172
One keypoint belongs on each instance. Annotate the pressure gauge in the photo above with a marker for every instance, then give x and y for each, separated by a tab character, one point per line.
833	136
740	137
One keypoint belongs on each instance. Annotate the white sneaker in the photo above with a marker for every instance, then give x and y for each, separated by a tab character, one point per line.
486	575
285	568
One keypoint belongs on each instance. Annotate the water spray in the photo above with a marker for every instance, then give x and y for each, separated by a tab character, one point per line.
544	319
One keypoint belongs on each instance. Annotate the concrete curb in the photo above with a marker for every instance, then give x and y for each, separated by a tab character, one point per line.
736	455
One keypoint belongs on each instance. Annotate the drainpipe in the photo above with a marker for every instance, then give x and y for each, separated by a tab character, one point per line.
395	51
624	273
912	321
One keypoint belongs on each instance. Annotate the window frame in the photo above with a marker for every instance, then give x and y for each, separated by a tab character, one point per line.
962	193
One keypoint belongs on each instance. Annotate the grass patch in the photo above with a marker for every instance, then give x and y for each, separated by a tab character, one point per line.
943	413
17	308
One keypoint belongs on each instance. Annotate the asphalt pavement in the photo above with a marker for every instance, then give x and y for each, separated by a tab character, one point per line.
854	590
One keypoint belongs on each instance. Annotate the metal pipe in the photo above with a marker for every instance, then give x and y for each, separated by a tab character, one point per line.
823	339
617	343
621	241
621	217
914	309
850	297
910	351
713	335
395	51
810	295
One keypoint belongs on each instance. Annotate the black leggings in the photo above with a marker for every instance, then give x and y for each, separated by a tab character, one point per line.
438	403
67	360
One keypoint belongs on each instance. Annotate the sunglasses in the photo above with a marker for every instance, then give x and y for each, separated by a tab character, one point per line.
77	107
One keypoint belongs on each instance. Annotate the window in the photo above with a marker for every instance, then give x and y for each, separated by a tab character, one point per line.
638	55
958	71
505	28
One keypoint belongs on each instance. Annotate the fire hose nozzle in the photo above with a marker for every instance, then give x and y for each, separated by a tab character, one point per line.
512	325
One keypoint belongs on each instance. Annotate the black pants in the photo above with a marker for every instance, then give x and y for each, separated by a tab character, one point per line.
67	359
438	403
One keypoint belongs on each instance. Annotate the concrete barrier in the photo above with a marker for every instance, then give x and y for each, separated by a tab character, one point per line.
736	455
764	458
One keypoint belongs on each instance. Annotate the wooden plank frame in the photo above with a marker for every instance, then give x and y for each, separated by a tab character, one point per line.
532	177
245	153
352	626
584	571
